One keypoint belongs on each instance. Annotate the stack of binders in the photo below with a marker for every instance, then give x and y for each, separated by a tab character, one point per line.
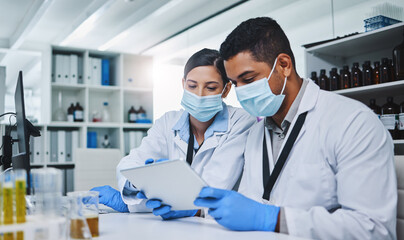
99	72
62	145
133	139
67	69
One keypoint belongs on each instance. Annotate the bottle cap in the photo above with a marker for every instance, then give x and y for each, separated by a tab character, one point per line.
105	103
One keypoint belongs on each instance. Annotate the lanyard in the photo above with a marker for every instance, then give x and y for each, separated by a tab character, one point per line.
190	150
270	179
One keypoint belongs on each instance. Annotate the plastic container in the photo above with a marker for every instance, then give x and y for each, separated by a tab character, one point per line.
379	21
105	113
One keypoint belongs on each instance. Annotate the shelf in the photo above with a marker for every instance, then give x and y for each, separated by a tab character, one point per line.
398	141
103	89
137	90
383	88
60	164
66	124
65	86
103	125
137	125
361	43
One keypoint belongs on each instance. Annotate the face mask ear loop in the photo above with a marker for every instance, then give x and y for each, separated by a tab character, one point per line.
273	68
284	84
224	89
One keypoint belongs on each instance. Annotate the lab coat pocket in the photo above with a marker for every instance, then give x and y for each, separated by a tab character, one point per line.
313	178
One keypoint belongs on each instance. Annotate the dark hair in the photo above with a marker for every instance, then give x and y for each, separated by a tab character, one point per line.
206	57
261	36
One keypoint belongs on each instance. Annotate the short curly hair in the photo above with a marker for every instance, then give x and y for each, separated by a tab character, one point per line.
261	36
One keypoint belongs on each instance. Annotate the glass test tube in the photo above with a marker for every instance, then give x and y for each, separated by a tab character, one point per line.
8	188
20	177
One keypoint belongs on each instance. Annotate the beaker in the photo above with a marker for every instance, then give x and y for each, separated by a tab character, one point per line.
84	214
46	202
47	191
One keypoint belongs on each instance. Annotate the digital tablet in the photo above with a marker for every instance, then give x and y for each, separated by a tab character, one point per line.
172	181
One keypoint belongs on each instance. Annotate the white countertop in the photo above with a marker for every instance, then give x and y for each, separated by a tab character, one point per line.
147	226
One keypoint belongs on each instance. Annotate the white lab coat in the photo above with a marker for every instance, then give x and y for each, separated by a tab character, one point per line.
219	161
343	156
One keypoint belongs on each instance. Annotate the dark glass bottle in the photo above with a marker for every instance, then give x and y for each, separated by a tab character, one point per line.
345	78
70	113
388	117
132	115
141	114
356	78
376	109
323	80
367	73
392	74
314	77
398	59
401	121
78	113
376	73
385	71
334	79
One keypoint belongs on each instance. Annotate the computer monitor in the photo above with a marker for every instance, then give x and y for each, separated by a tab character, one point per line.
24	130
21	160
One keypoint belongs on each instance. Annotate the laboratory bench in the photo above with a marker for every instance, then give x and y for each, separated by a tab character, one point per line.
148	226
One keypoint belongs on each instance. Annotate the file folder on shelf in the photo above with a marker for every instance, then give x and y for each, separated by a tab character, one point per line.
73	69
96	71
66	69
68	149
54	147
38	154
105	72
61	146
75	143
59	68
80	77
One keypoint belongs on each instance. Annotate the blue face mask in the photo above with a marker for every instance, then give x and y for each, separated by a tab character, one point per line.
258	99
202	108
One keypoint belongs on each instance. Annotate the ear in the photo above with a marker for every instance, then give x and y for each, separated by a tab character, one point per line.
285	66
226	90
183	83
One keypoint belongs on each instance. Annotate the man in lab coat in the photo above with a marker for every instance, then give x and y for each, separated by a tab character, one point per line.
338	179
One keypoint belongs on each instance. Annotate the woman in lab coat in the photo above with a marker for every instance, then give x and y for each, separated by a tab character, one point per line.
219	132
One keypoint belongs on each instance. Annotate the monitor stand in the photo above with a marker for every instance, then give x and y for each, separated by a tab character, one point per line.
7	152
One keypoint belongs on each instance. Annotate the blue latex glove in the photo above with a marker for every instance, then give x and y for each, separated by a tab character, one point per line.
237	212
151	160
111	198
164	210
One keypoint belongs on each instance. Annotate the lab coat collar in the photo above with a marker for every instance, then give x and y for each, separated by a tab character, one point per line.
309	99
307	103
219	126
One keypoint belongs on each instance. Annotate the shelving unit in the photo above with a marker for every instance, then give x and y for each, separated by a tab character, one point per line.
130	85
371	46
